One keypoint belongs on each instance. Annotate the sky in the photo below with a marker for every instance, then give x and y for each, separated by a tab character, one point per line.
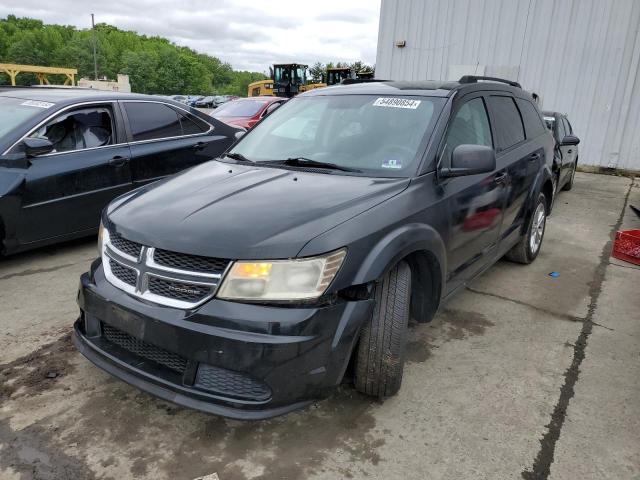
250	35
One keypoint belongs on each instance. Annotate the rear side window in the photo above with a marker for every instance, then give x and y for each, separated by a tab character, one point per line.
150	121
470	126
567	126
509	128
532	122
192	125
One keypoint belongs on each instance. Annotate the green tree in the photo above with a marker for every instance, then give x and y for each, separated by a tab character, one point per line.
317	72
154	64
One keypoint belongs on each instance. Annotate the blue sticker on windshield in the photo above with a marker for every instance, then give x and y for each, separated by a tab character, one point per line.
392	163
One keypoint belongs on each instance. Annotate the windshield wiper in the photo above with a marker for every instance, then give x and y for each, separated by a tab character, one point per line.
238	156
308	162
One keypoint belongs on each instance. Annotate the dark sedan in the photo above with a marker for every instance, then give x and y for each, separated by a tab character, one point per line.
566	151
66	153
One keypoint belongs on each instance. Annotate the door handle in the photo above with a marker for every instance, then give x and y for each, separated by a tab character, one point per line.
534	156
500	178
118	161
199	146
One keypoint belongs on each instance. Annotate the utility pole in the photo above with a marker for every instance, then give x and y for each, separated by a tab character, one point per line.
95	58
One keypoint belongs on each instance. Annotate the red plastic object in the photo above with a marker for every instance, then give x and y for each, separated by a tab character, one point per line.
627	246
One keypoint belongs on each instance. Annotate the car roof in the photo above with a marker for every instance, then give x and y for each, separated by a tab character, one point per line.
548	113
70	95
427	88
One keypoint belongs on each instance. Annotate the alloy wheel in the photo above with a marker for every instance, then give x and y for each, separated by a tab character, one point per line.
537	229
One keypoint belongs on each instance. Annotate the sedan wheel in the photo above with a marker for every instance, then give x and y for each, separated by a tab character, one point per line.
527	249
537	229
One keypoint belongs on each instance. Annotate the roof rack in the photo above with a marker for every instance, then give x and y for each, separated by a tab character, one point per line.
475	78
350	81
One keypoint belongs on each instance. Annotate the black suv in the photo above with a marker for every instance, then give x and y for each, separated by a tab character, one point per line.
246	286
65	153
566	152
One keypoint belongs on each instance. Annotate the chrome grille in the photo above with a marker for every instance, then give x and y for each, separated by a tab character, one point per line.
186	292
178	282
127	247
194	263
125	274
143	349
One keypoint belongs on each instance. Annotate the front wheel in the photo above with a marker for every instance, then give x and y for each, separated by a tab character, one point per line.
381	351
527	249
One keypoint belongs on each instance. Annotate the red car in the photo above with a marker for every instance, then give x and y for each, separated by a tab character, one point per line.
246	112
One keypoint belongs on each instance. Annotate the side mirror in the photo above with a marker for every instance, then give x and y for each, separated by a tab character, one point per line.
34	146
470	160
569	140
239	134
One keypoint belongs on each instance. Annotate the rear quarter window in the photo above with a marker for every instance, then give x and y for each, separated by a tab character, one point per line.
509	127
533	123
149	121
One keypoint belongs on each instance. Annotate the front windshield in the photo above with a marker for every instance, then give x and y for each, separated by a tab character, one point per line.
378	135
239	108
14	111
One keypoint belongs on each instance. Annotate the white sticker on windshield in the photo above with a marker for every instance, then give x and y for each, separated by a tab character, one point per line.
397	103
35	103
392	163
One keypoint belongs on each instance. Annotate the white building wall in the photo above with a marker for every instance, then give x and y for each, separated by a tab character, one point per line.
581	56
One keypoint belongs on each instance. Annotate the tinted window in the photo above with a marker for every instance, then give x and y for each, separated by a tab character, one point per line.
509	128
567	126
192	125
532	123
470	126
152	120
79	129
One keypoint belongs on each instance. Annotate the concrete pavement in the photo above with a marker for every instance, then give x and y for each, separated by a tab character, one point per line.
520	376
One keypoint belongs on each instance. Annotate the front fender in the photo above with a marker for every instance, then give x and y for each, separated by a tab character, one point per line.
397	245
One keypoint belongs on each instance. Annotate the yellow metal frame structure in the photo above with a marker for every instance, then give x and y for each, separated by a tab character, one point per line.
41	72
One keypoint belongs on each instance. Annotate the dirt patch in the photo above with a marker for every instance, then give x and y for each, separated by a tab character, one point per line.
38	371
462	324
419	346
449	324
159	439
33	454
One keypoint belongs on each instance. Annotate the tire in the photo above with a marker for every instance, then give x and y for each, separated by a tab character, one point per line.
527	249
381	351
569	184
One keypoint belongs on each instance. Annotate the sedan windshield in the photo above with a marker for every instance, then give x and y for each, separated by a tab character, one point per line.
239	108
376	135
14	111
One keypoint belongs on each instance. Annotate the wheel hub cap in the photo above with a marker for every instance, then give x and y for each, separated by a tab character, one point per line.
537	229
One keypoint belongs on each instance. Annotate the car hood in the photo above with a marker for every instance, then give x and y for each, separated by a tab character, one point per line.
245	212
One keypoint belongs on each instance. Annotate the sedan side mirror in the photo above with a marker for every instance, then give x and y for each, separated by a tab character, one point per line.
569	140
470	160
239	134
34	146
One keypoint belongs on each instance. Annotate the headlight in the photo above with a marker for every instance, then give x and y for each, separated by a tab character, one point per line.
100	238
306	278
